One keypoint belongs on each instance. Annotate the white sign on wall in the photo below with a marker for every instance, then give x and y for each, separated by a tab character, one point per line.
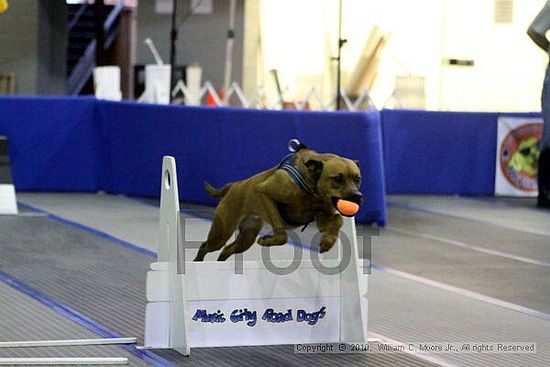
517	156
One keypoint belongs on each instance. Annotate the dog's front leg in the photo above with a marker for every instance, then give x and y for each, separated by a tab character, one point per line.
268	192
329	226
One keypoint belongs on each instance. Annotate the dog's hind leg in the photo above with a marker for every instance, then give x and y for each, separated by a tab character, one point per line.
249	228
220	232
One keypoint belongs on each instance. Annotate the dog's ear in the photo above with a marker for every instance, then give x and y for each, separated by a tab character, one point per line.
357	163
314	166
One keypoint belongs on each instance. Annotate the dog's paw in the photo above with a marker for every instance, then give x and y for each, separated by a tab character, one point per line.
270	240
323	249
326	243
264	240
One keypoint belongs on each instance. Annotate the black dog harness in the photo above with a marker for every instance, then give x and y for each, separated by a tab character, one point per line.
288	164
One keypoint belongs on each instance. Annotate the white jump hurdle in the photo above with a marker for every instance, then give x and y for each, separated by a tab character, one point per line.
212	306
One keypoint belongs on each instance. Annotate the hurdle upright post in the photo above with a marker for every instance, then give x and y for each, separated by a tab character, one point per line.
165	314
353	289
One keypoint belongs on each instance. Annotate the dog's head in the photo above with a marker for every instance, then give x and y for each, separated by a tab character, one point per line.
335	177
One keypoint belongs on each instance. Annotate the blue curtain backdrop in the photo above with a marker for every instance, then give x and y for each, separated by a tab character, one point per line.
81	144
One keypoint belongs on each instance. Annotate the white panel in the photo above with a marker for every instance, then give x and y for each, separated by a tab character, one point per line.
8	203
157	325
263	332
157	286
217	280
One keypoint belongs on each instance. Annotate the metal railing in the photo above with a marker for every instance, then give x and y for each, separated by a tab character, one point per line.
261	99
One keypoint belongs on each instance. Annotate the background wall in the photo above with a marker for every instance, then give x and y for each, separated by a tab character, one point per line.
18	44
33	45
202	37
299	38
52	47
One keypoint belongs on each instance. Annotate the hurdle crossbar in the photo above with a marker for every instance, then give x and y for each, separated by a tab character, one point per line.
61	361
67	342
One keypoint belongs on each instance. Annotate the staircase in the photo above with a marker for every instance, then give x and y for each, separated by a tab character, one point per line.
88	25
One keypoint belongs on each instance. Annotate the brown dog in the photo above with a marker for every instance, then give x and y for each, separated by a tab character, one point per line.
303	188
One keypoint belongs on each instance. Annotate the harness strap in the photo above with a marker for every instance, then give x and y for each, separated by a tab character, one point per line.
288	164
286	218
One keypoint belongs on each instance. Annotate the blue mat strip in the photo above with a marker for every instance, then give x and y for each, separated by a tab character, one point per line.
81	319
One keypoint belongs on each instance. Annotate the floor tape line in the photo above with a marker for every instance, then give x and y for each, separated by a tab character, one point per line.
79	318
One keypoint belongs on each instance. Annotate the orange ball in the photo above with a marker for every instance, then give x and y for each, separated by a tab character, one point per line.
347	208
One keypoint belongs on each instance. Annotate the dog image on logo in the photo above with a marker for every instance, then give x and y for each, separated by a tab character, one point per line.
305	187
524	160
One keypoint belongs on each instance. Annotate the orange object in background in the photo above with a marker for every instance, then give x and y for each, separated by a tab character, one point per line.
3	6
210	101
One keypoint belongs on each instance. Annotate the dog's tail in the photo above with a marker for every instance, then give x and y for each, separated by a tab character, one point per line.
217	193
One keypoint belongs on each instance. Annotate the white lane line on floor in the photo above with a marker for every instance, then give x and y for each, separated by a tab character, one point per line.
425	357
444	213
464	292
467	246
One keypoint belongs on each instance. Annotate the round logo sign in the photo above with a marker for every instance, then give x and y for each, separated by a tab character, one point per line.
518	156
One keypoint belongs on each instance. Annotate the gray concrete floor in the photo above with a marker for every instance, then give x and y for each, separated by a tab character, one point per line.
448	268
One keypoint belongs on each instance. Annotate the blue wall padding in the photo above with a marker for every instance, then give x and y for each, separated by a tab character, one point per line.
53	143
75	144
224	145
428	152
